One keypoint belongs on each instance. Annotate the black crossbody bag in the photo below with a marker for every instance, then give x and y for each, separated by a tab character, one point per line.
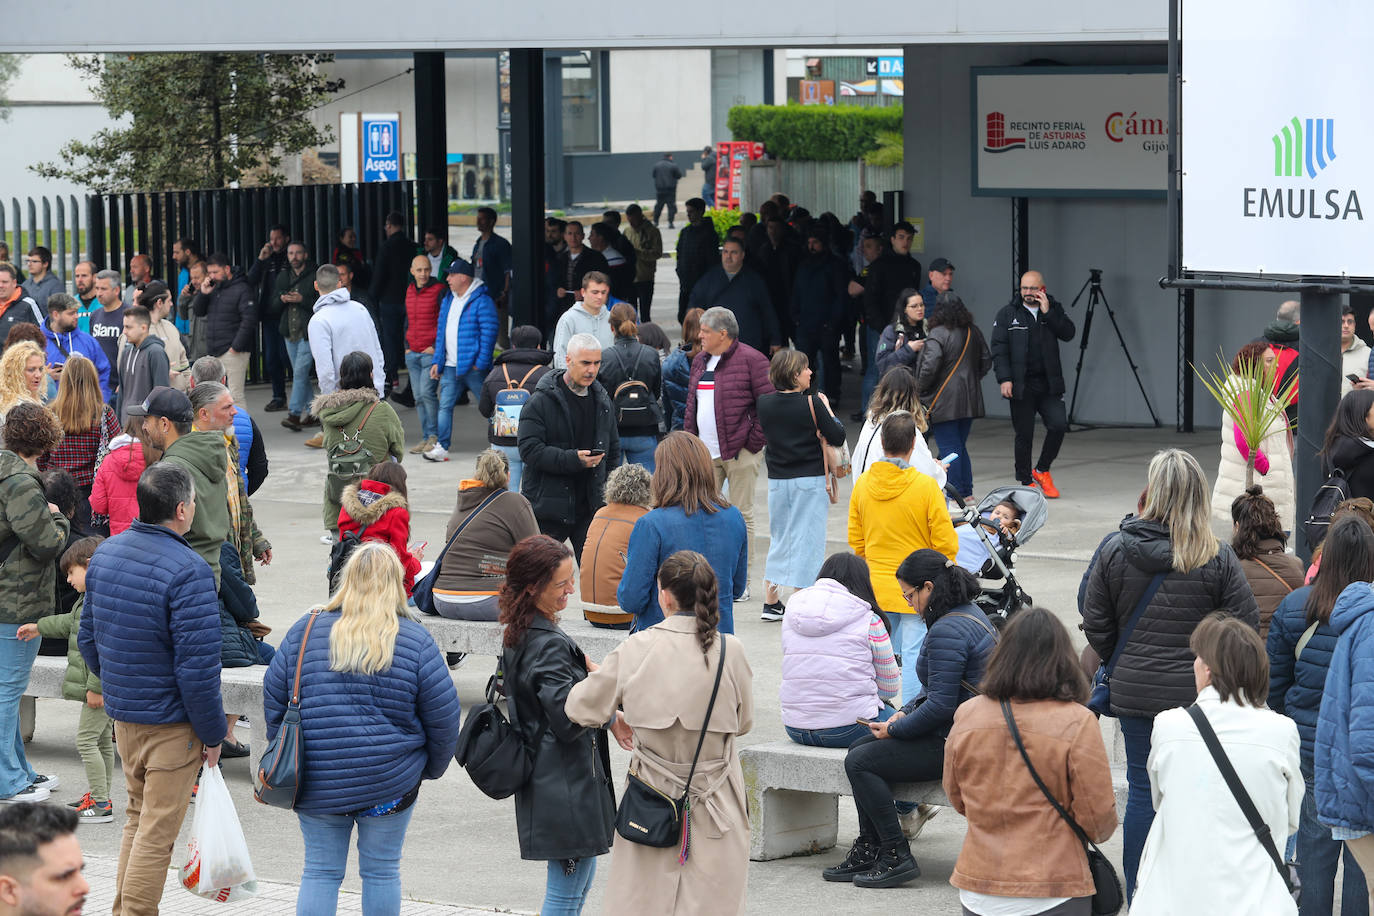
1107	895
1288	872
650	818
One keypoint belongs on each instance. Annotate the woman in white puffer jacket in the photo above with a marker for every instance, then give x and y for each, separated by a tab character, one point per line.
1273	463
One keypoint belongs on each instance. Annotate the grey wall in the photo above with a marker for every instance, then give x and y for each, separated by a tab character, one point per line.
1127	238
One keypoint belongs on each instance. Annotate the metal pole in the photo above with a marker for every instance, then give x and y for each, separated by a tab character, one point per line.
527	186
1319	360
431	138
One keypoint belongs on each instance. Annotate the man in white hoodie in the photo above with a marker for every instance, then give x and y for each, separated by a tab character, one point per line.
589	316
338	327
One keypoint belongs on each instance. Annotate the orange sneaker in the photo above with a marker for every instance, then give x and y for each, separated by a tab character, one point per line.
1046	483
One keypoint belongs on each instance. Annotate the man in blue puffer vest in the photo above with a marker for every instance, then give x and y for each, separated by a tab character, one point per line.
151	633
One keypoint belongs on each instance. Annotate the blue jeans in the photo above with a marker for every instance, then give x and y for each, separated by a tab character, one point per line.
16	661
517	467
327	838
301	364
908	633
870	365
426	391
952	436
840	735
565	895
639	450
1140	806
451	388
1317	858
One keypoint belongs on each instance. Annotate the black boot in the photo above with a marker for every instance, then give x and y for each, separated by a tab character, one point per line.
863	856
895	867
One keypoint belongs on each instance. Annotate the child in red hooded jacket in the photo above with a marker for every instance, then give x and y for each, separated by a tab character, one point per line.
114	492
378	503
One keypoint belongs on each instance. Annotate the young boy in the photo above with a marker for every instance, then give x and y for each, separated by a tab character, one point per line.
143	363
95	729
973	553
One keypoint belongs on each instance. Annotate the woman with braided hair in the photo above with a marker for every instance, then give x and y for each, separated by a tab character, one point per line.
684	651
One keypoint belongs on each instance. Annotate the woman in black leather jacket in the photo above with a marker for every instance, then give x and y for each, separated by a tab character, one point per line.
565	814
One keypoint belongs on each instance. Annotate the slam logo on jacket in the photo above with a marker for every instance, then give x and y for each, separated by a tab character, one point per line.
1302	150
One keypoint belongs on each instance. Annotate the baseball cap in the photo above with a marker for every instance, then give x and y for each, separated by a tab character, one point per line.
164	402
459	266
940	265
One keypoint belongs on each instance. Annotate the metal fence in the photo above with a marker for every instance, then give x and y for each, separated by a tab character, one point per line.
818	186
58	230
109	229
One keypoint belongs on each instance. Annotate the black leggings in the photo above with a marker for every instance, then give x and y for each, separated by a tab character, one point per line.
874	764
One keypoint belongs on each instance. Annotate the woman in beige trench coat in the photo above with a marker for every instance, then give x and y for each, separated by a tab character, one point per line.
661	678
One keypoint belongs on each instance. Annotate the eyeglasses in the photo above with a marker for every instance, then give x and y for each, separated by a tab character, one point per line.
907	595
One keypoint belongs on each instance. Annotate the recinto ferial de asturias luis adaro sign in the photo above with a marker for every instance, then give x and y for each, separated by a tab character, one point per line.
1070	131
1276	170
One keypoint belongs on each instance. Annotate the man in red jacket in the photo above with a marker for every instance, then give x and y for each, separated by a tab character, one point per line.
423	296
727	379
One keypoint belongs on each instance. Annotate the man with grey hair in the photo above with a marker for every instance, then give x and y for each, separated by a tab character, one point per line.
339	326
1281	335
252	452
107	321
728	378
568	443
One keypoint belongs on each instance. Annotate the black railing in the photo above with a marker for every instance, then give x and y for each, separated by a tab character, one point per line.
235	220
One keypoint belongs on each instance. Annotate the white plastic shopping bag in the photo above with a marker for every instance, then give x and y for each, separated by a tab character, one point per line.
217	864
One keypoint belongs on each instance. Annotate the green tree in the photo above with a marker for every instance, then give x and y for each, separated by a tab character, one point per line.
9	69
196	120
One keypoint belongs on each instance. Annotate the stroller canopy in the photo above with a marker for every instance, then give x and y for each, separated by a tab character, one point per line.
1031	502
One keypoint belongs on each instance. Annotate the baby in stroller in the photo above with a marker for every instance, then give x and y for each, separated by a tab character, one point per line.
989	534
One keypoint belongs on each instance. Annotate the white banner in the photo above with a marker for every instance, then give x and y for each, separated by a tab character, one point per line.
1070	132
1276	176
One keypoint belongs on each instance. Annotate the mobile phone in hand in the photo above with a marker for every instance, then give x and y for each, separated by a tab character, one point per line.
596	451
862	721
1354	379
419	546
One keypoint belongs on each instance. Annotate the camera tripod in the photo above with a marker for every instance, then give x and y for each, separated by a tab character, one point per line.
1093	286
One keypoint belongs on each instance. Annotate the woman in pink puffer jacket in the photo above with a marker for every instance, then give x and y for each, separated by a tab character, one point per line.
115	490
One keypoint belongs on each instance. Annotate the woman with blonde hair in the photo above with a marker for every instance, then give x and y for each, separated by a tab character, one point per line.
21	376
689	514
1154	581
493	519
379	714
897	392
88	425
690	730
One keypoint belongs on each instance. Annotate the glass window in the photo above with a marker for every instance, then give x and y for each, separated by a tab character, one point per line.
582	114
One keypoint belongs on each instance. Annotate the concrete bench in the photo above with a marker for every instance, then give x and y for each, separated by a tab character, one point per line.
240	688
483	637
794	791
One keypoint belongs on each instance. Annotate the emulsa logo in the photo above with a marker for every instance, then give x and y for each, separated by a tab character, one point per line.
1303	150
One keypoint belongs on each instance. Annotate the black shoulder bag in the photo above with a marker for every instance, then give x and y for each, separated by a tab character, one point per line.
1288	872
278	780
649	817
1107	895
491	748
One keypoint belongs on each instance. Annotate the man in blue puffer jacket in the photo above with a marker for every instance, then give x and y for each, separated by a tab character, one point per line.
151	633
463	347
1344	758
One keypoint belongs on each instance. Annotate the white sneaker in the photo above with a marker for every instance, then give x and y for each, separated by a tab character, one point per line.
47	782
30	794
744	596
328	539
438	453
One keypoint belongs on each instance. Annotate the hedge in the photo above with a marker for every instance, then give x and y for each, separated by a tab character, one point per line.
827	133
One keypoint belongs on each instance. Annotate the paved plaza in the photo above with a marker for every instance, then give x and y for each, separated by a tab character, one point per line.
461	853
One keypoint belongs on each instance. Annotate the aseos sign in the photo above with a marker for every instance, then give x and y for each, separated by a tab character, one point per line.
1276	178
381	146
1070	131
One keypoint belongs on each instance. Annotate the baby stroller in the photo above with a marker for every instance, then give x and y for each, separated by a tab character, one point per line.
1001	594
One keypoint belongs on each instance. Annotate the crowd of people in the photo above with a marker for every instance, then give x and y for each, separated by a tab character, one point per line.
624	466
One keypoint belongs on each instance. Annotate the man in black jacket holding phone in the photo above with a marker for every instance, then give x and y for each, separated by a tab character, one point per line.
1025	355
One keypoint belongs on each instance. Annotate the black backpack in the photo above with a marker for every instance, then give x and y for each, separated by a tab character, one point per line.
1333	491
338	555
635	404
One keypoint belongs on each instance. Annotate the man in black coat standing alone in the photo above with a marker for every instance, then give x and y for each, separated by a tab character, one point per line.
1025	355
389	280
666	176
